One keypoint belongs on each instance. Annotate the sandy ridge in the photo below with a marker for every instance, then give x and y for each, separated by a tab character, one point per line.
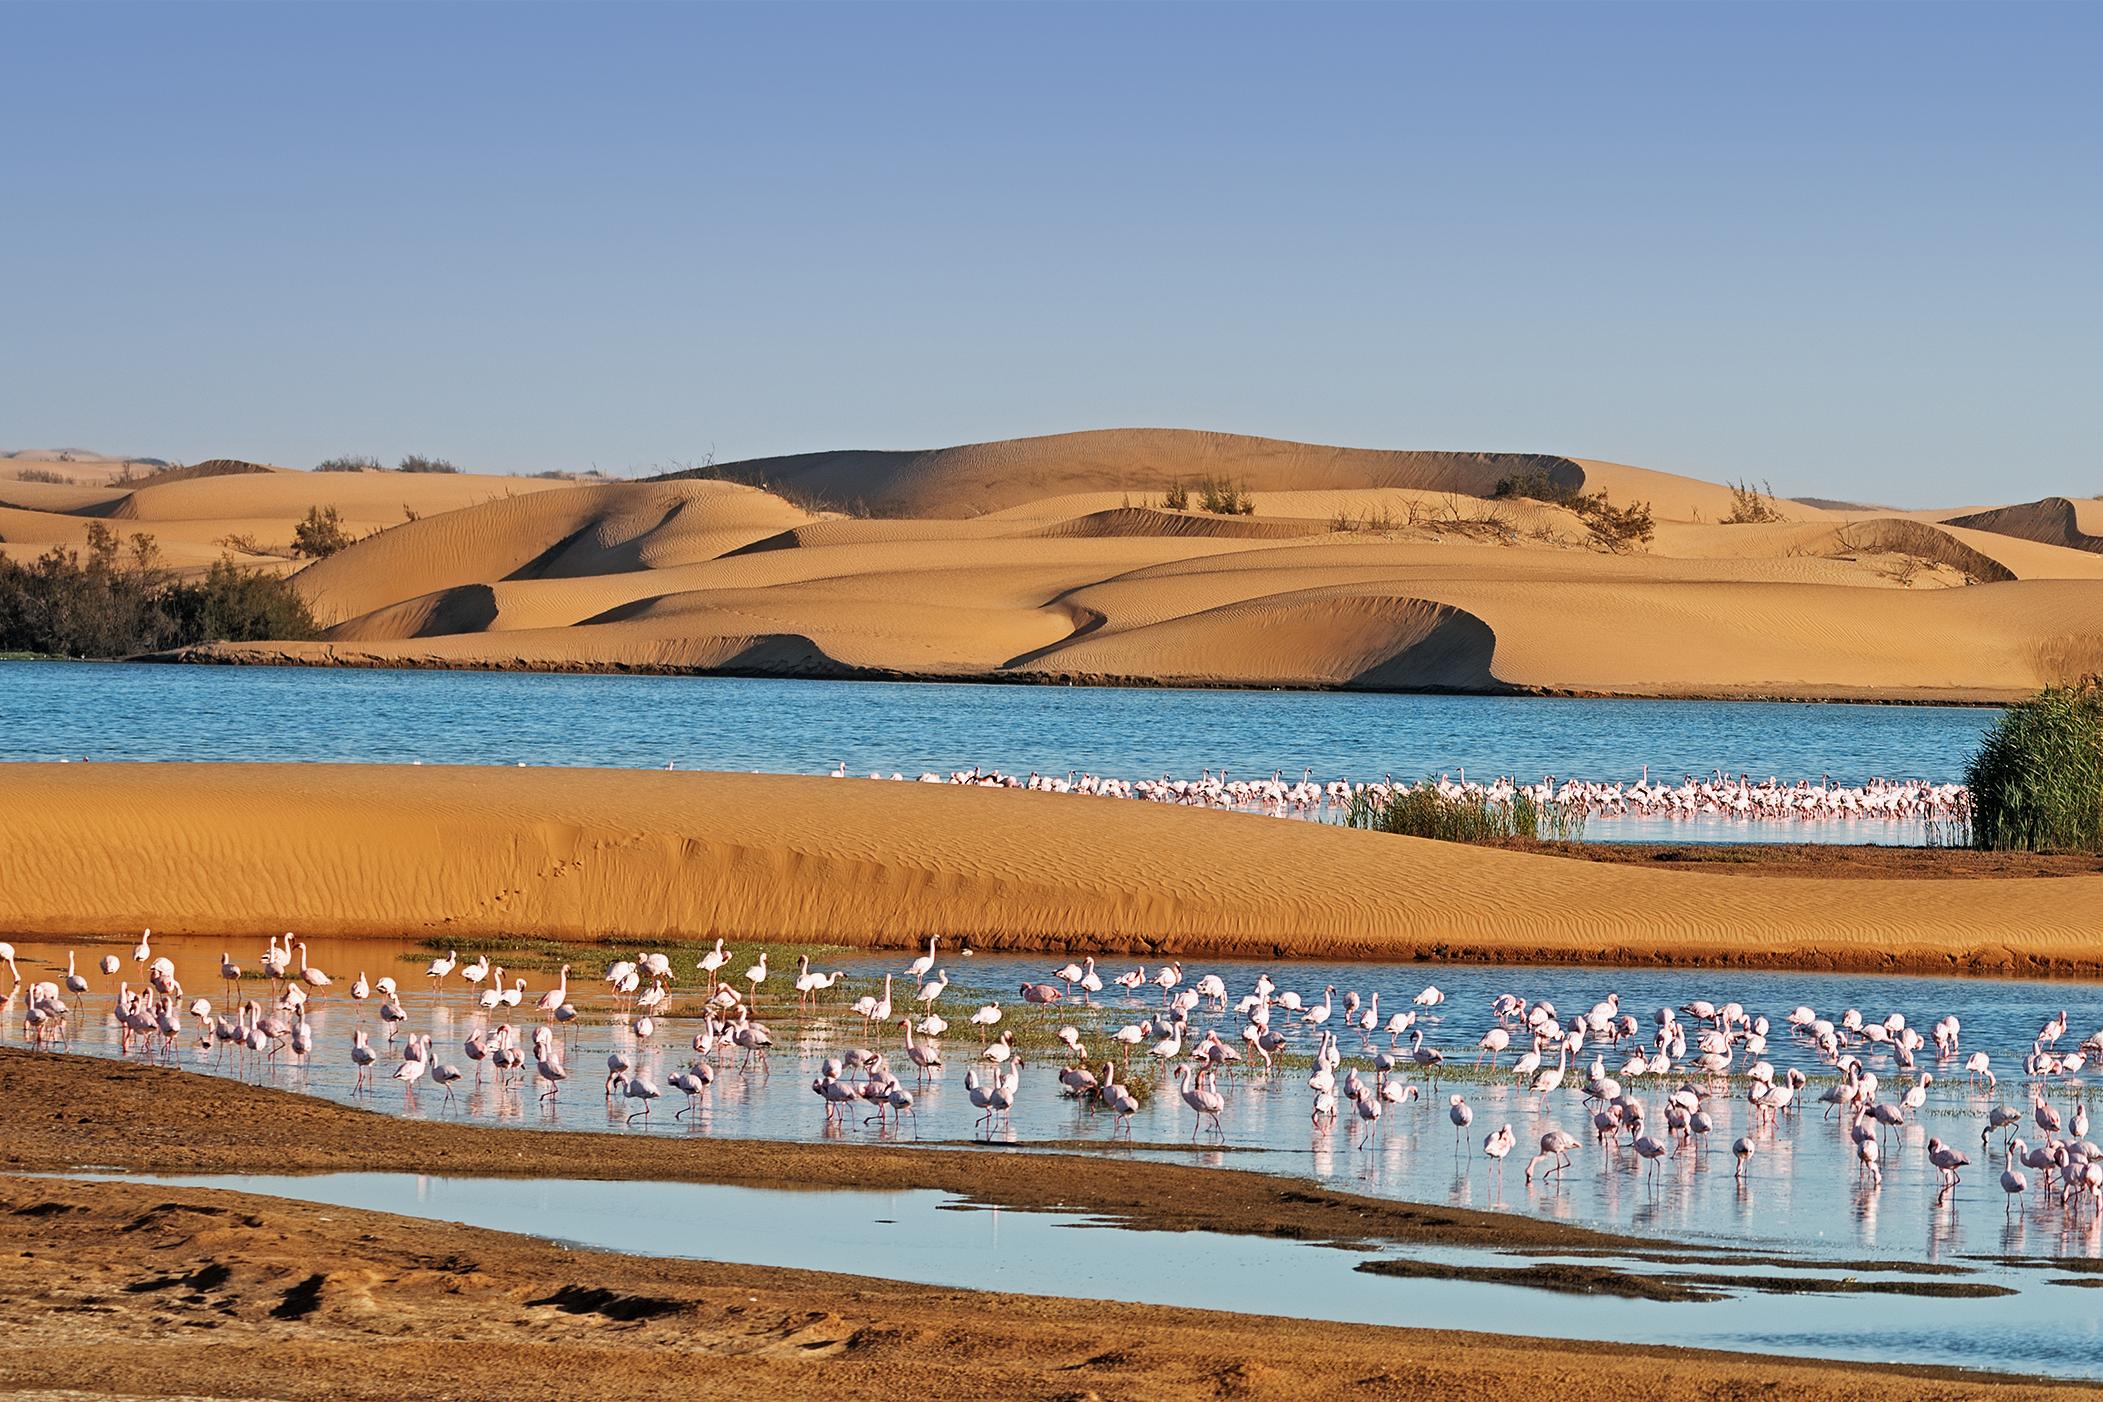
240	849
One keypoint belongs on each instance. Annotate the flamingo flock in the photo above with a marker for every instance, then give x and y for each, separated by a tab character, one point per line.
1604	1084
1719	796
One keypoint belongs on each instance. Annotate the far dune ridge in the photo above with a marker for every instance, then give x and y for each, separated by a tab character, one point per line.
1062	559
980	477
2075	524
460	853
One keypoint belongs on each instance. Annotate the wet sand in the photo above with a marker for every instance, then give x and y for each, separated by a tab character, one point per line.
478	854
142	1290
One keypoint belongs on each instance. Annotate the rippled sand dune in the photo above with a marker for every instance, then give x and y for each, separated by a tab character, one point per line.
240	849
1058	559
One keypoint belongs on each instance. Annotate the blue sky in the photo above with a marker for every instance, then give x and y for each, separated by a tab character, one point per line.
1848	248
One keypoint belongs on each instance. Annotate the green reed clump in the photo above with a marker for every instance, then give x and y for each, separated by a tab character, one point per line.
1425	812
2037	781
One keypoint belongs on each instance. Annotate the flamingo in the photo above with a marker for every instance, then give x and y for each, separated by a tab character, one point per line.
1554	1145
1458	1111
918	969
1203	1101
362	1056
712	962
1498	1144
415	1062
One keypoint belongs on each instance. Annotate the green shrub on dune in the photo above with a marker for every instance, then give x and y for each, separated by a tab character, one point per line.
2037	781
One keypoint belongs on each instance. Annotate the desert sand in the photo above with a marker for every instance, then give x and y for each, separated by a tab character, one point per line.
240	849
136	1287
198	514
1057	560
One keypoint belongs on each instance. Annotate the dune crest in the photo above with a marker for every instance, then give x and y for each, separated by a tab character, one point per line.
977	478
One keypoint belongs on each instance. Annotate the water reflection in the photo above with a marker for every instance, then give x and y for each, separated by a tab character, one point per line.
1801	1188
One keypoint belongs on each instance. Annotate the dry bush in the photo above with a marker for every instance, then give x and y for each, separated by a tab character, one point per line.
1753	506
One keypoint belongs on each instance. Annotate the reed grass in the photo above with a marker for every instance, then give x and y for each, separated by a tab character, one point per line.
1425	812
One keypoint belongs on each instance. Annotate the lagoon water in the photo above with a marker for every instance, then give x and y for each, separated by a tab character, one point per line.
55	710
1802	1191
934	1239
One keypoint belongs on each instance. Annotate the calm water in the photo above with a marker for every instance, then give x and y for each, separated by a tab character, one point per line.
1801	1190
921	1236
136	712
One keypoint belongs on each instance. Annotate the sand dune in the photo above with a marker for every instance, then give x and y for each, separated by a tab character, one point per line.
1055	558
244	850
982	477
200	513
2075	524
1860	609
1675	498
567	533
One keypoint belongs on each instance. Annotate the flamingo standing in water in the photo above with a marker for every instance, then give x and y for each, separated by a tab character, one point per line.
555	997
308	974
416	1058
919	968
362	1056
1458	1111
1200	1099
1555	1145
1498	1144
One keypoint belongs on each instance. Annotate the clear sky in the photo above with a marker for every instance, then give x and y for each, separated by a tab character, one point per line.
1853	249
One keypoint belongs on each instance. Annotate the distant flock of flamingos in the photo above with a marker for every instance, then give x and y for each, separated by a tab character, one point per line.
1738	798
1697	1050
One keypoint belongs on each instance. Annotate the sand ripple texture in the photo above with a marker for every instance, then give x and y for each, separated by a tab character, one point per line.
624	855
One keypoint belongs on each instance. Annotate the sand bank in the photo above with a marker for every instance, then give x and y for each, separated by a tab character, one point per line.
626	856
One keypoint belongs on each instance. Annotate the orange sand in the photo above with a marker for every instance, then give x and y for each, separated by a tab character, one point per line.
624	855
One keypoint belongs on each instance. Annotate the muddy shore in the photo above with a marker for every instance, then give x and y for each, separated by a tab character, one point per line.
129	1289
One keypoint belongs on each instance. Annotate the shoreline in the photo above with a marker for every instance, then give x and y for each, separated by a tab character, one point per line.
587	855
278	655
259	1291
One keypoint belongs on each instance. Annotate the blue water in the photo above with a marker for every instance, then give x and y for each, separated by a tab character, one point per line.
138	712
923	1236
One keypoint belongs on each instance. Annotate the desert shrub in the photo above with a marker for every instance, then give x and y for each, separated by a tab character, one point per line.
1177	497
1224	498
320	533
1619	529
417	462
117	600
2037	781
1535	485
348	463
1615	528
1752	506
45	475
234	605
